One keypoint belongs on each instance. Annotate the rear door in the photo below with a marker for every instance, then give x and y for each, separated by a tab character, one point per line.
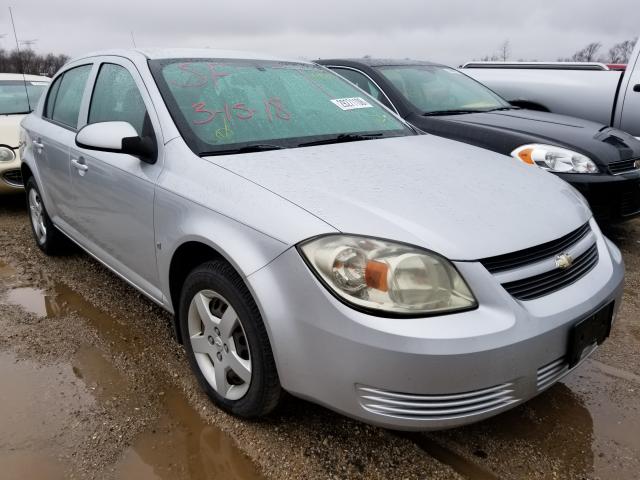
114	192
54	134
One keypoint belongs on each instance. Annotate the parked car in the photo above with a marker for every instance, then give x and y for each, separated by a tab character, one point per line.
308	240
602	93
602	163
18	96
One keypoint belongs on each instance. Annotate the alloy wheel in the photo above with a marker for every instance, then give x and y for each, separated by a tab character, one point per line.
219	344
36	210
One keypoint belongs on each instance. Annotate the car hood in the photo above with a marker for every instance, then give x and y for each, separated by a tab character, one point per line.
460	201
504	131
10	129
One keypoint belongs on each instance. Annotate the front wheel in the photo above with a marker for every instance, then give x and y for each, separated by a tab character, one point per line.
226	341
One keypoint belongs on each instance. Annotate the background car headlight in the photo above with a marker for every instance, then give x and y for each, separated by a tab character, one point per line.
6	154
387	276
556	159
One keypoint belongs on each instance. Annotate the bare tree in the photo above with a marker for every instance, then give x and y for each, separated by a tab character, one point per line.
587	54
505	51
621	52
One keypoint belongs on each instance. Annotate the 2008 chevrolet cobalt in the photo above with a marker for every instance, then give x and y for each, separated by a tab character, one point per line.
308	240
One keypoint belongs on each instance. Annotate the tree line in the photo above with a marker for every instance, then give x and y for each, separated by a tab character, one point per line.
618	53
28	61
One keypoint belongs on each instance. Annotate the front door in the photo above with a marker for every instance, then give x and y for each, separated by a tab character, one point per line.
114	192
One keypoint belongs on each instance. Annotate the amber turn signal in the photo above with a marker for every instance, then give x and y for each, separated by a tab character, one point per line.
376	275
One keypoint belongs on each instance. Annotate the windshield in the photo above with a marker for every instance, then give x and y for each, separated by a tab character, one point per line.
433	88
13	96
224	104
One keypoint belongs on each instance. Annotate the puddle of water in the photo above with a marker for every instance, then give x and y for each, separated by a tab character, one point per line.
179	445
38	404
586	425
198	451
457	462
31	299
29	465
615	414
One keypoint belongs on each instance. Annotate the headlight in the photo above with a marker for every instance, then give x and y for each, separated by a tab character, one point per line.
6	154
391	277
556	159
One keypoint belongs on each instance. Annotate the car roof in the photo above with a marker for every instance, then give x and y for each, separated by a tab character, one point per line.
376	62
167	53
20	77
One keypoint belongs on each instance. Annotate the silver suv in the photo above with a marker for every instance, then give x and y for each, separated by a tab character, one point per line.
307	239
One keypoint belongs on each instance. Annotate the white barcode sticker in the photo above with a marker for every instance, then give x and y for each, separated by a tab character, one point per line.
351	103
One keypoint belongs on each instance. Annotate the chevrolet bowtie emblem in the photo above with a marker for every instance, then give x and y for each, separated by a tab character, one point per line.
564	261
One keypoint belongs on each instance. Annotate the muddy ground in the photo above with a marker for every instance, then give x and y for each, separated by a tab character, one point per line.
92	385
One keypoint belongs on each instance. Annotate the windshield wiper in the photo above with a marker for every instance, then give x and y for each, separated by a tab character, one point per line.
342	138
503	108
450	112
257	147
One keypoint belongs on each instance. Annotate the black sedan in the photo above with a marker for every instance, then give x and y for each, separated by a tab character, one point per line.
603	163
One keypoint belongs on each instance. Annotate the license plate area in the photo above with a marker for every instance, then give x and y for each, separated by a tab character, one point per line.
587	332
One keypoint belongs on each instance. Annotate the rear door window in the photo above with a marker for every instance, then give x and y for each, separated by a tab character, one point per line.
68	98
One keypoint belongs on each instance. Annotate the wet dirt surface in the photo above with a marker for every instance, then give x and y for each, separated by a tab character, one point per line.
94	386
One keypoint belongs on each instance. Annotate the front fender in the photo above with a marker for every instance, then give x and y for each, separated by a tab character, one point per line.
179	221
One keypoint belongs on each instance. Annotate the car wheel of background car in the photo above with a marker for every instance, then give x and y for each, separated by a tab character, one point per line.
50	240
226	341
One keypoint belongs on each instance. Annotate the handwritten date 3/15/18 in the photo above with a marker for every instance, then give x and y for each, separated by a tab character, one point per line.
272	107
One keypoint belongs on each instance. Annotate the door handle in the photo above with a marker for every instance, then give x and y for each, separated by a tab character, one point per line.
37	144
78	165
636	87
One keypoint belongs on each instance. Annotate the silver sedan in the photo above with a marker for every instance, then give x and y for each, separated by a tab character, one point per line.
308	240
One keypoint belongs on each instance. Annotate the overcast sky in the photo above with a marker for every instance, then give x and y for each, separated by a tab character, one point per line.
448	31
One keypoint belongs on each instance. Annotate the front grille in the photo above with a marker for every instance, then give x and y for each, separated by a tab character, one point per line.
534	254
13	177
630	203
622	166
553	280
435	407
551	373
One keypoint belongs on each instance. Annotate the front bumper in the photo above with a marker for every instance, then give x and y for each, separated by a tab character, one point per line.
451	369
612	198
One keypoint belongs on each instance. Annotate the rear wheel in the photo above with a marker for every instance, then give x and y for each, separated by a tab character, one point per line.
226	341
48	238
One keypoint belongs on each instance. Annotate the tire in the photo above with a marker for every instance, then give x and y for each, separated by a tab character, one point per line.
226	341
48	238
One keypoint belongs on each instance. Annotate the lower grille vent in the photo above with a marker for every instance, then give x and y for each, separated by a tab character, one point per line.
435	407
550	373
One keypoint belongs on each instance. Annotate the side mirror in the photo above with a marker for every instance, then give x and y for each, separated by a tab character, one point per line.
116	137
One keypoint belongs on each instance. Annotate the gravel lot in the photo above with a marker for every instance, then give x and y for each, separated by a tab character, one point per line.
94	386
